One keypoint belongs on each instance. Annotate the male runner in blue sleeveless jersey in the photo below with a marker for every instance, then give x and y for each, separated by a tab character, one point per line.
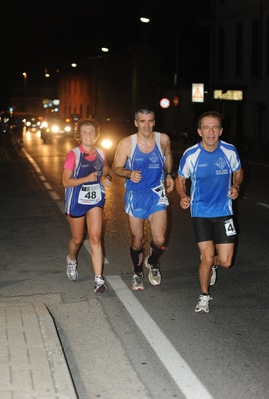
145	161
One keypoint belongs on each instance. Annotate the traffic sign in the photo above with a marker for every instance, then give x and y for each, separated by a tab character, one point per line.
165	103
175	101
198	92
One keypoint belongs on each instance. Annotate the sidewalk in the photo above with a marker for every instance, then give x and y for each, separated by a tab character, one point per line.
32	363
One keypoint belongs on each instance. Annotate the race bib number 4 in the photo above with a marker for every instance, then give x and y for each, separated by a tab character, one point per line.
90	195
230	228
160	191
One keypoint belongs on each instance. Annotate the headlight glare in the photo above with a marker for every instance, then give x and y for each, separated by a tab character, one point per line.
55	129
106	143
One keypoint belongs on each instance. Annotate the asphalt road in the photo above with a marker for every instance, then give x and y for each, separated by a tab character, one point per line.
149	344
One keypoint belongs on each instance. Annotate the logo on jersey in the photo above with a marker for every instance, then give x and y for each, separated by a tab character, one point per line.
154	158
97	165
221	163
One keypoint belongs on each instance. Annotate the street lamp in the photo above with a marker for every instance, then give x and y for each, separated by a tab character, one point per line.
25	79
105	49
47	75
146	20
24	74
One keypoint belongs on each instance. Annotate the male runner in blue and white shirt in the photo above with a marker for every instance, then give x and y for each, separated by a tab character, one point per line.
215	171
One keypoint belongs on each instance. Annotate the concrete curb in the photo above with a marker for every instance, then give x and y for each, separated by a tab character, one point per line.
56	358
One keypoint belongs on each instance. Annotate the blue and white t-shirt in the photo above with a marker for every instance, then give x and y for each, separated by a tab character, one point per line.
211	177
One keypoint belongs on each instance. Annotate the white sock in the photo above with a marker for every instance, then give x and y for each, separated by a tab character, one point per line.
73	262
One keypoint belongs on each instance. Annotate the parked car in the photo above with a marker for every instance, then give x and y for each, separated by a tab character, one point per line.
54	125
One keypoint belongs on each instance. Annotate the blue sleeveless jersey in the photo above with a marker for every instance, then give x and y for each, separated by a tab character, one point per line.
211	177
151	166
83	168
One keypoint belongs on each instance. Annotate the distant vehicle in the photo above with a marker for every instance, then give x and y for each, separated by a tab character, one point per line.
112	131
31	122
54	125
73	118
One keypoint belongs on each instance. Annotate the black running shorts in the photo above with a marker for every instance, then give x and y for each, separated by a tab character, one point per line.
220	230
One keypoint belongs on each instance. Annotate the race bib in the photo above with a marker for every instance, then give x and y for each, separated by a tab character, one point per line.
230	228
160	191
90	195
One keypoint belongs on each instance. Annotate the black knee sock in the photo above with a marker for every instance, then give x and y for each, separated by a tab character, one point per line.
137	258
155	253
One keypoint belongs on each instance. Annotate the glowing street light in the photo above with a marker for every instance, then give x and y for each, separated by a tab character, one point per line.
47	75
105	49
24	74
146	20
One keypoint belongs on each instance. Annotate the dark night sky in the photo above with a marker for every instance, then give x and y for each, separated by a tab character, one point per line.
38	34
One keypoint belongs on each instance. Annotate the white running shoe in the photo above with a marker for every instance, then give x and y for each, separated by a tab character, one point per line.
137	282
213	277
71	269
203	303
100	285
154	275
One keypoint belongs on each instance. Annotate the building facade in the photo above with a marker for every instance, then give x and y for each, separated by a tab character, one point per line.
240	70
107	86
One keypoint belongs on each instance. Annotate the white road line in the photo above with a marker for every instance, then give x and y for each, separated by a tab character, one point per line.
258	203
54	195
47	185
259	164
179	370
30	159
262	204
61	206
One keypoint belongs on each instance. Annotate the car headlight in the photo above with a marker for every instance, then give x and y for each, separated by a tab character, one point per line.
106	143
67	128
55	129
44	124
